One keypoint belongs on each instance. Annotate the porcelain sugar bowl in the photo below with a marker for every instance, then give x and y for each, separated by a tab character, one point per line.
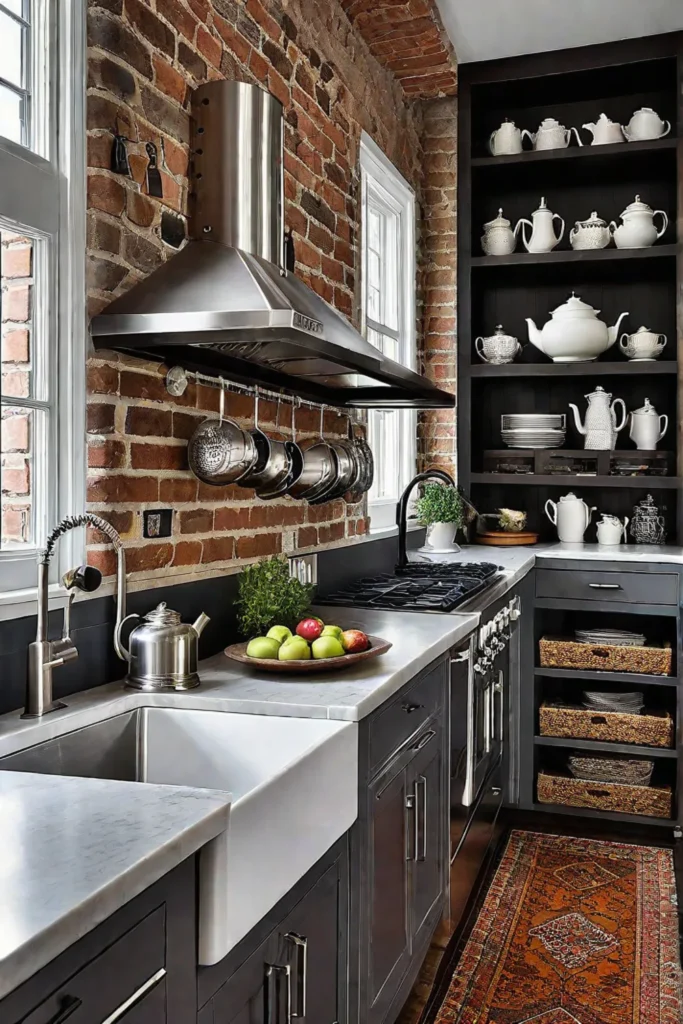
645	124
573	333
637	230
592	233
498	348
643	346
499	239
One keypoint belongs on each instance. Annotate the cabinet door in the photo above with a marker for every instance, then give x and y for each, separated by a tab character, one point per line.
389	935
255	994
150	1010
428	847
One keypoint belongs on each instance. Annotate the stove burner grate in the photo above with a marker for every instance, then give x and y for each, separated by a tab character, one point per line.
434	587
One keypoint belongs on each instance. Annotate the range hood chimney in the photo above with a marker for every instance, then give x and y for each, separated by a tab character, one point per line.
226	304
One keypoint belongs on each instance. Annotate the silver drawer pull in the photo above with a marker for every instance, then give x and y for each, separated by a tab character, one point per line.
300	943
424	740
605	586
421	818
136	997
271	994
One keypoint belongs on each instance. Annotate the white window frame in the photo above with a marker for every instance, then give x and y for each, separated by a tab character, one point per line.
382	184
42	191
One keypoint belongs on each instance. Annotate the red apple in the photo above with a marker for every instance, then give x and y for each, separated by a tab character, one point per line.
309	629
354	640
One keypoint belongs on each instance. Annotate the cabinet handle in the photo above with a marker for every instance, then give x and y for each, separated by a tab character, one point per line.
300	943
421	817
68	1005
409	708
605	586
271	994
136	997
410	832
424	740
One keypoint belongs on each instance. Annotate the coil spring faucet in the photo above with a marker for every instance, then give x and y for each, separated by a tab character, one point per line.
45	655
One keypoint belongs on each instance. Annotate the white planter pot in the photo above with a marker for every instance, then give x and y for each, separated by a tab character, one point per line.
441	537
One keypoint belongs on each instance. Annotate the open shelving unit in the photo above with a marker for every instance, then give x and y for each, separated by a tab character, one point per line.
574	86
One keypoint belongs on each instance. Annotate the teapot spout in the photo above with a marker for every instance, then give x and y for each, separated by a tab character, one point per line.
535	336
612	332
590	127
577	418
200	623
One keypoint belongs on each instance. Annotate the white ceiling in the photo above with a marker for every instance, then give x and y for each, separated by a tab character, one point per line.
489	29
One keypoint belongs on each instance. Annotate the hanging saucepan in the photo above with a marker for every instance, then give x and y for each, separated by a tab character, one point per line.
220	452
369	463
296	466
284	468
357	487
347	472
319	470
258	474
277	468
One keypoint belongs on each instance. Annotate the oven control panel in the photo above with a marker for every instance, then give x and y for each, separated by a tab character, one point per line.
494	635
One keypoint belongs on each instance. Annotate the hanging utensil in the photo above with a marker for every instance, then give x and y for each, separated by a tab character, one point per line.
319	469
347	472
277	467
154	184
220	452
259	471
356	491
296	465
119	156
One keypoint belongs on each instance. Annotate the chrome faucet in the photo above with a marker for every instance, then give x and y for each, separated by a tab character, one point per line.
45	655
402	508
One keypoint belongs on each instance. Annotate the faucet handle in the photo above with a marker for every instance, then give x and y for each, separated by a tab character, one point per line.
85	577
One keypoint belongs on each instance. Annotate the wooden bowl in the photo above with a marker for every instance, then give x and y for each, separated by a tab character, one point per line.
506	539
238	652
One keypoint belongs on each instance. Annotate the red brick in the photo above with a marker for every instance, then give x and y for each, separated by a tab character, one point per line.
218	549
258	545
103	559
123	523
178	489
100	418
168	80
185	424
209	46
122	488
233	39
145	422
201	8
331	532
278	86
307	537
103	380
107	454
158	456
231	492
16	481
187	552
15	346
16	384
14	433
106	194
16	261
197	520
231	519
176	158
151	556
261	16
16	303
321	238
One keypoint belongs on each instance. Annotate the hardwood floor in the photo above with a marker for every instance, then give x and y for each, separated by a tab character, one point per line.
419	997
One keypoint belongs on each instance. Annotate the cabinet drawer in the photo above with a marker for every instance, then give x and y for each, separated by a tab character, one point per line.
113	983
393	725
596	585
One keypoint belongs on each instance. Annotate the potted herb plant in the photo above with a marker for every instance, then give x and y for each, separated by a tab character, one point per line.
440	509
269	596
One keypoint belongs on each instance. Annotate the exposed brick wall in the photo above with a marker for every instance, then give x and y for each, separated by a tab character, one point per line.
436	430
144	59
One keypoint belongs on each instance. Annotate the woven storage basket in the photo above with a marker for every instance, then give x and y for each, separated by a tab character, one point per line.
652	801
608	769
651	729
558	653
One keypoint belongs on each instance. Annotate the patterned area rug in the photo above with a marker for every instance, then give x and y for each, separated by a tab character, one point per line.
572	931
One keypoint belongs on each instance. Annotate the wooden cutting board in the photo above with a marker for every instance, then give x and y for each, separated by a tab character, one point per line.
501	538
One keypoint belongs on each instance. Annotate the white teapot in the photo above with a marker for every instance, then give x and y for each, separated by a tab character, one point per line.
638	230
543	237
645	124
506	140
600	427
571	516
592	233
604	131
498	348
611	530
499	239
574	333
550	135
646	427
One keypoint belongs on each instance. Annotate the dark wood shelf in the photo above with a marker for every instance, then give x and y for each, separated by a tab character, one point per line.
609	255
584	369
619	150
644	483
605	747
587	812
578	675
564	604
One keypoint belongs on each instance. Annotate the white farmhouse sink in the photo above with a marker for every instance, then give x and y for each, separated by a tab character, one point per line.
294	786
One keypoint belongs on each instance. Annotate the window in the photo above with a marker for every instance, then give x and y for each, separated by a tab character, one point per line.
388	271
42	286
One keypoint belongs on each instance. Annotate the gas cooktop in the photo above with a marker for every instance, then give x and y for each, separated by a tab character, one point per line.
439	587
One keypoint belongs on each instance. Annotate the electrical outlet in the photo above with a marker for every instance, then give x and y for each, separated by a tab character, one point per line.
304	568
156	522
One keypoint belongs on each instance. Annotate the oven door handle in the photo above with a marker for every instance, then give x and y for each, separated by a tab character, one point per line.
488	702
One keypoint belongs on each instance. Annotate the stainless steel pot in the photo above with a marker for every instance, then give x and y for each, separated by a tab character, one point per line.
347	470
162	652
319	469
220	452
295	458
258	473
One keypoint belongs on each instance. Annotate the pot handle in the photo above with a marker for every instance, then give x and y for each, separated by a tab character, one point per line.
121	651
623	345
521	223
552	516
663	340
477	343
491	138
668	129
612	227
578	137
619	401
665	221
528	135
663	429
561	220
626	522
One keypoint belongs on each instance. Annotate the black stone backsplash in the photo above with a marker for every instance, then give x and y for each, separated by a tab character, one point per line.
92	627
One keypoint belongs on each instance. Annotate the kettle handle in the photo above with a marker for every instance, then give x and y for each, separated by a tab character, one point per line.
663	429
491	138
551	516
665	221
561	220
521	223
623	345
477	343
121	651
529	135
661	338
613	410
578	137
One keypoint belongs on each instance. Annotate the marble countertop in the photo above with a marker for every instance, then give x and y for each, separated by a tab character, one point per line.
75	850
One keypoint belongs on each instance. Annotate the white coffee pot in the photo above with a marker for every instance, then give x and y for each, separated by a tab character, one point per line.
600	427
506	140
550	135
637	230
611	530
643	346
543	237
645	124
571	516
647	426
604	131
499	239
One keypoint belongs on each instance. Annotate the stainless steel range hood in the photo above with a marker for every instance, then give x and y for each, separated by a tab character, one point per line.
226	305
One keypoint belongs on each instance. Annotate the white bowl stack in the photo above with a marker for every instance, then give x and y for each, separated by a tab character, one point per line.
533	429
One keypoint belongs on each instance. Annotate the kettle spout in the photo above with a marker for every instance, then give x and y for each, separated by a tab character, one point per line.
590	127
200	623
535	336
577	418
612	332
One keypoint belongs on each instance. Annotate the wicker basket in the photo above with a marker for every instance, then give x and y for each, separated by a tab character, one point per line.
651	729
609	769
558	653
652	801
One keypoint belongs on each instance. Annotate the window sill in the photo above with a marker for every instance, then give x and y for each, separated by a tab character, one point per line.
18	604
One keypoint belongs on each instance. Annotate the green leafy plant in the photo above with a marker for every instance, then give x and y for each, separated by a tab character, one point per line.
439	503
269	596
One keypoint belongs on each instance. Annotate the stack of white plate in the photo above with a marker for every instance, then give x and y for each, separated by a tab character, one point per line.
533	430
610	637
629	703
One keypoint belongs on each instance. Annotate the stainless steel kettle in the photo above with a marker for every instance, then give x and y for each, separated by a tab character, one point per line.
162	652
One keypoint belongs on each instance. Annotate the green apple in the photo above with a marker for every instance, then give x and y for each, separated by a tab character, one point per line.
335	631
295	649
327	647
279	633
263	647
